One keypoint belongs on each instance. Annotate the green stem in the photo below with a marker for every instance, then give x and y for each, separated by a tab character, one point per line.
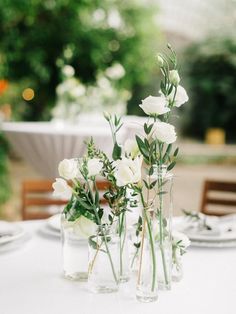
151	244
161	225
122	229
110	259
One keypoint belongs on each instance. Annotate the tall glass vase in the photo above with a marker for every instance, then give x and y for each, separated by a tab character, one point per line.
103	272
147	284
163	205
124	266
74	251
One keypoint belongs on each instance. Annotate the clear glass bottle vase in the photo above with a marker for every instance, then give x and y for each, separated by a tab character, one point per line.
147	284
103	271
74	251
163	207
124	265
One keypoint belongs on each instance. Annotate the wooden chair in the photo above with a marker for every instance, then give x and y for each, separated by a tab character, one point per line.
38	193
225	201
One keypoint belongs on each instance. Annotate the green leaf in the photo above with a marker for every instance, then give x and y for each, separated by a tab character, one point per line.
171	166
167	153
153	184
176	152
116	154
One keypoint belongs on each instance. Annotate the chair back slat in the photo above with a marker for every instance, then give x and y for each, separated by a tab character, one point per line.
218	186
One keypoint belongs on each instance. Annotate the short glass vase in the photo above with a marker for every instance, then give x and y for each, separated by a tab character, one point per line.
74	252
103	270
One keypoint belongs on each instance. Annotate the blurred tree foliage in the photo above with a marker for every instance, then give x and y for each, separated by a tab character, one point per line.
4	179
38	37
212	81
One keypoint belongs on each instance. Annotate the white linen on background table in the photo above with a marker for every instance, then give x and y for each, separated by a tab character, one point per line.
31	282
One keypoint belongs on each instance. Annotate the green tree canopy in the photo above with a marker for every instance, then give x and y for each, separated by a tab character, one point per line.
37	37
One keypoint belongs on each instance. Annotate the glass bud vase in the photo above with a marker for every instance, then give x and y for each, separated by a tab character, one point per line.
103	272
147	285
163	207
74	251
177	271
124	266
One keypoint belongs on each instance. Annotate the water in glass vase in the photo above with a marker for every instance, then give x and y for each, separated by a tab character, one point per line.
75	253
103	274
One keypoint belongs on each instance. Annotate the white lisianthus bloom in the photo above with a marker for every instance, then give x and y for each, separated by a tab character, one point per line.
84	227
68	169
164	132
174	77
62	189
181	96
94	167
128	171
154	105
131	148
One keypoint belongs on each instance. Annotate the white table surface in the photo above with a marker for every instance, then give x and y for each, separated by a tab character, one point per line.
31	282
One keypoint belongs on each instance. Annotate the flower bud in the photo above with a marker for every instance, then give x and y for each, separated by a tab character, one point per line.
174	77
160	61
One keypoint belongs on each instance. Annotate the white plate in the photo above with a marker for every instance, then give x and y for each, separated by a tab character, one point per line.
54	222
11	230
222	244
224	236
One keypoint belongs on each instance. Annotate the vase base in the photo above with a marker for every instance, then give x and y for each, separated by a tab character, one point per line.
82	276
103	289
146	299
163	286
124	279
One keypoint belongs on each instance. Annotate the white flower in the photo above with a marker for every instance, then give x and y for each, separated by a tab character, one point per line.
160	60
131	148
68	169
61	188
128	170
174	77
94	167
115	72
154	105
179	236
181	96
84	228
164	132
68	71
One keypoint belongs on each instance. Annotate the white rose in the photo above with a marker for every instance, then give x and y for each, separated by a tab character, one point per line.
84	228
68	169
164	132
179	236
131	148
174	77
128	171
181	96
62	189
94	167
154	105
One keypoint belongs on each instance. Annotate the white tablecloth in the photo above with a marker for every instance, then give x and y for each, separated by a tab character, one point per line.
31	283
44	144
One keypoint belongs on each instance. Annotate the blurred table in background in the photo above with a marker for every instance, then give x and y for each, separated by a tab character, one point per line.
44	144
